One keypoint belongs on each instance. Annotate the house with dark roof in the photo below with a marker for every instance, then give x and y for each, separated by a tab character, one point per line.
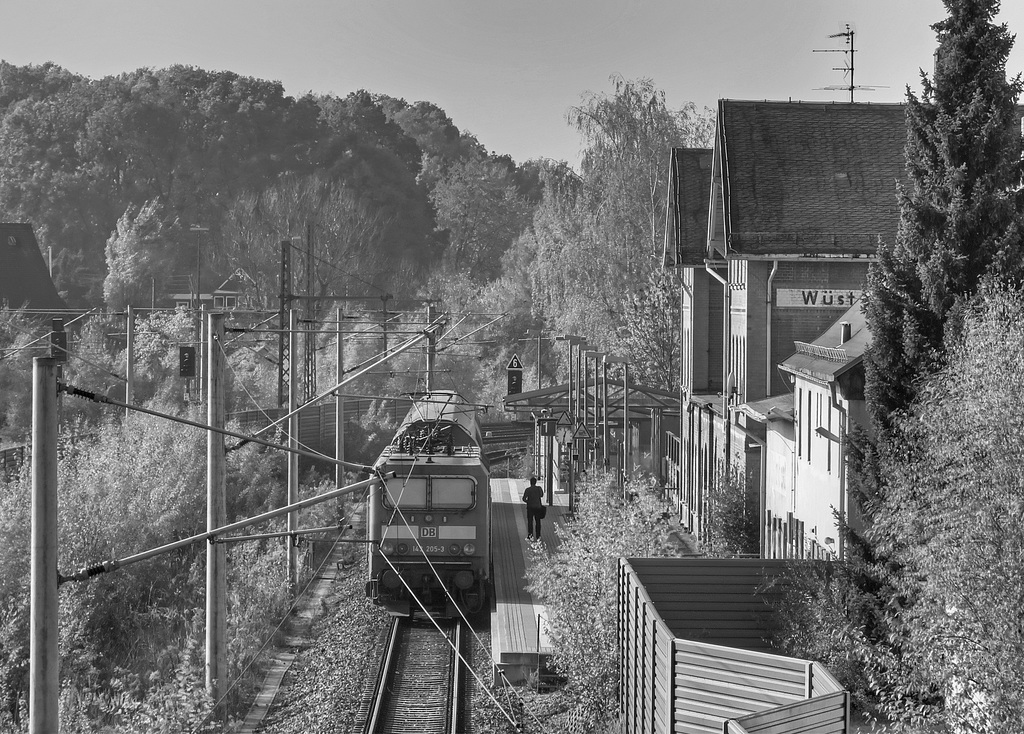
796	199
224	297
24	277
827	379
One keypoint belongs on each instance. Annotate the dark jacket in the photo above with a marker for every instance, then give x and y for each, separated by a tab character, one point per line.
533	496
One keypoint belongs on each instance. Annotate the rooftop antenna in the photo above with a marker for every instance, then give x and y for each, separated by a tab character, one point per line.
848	65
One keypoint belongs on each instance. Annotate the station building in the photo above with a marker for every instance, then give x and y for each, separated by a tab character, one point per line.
771	232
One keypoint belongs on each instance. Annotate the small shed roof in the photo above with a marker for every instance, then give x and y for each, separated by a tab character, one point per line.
828	357
24	277
777	407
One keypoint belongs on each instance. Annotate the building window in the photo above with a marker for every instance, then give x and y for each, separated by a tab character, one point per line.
810	425
230	301
799	418
830	440
218	301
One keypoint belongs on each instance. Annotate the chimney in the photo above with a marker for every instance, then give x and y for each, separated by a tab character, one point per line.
844	332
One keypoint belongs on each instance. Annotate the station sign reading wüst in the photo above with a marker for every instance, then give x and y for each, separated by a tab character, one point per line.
816	298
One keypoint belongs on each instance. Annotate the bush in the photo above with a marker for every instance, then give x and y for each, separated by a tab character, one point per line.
577	581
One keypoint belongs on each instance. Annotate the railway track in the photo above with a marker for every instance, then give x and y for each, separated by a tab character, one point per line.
420	687
505	441
499	433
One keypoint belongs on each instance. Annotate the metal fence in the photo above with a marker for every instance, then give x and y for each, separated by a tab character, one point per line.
673	682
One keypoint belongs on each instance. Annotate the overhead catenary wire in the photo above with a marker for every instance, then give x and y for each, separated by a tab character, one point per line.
391	352
269	640
397	512
96	397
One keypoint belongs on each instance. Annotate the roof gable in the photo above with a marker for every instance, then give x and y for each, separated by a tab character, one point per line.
811	178
24	277
689	192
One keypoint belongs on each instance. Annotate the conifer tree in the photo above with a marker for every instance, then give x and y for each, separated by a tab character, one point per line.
959	215
960	230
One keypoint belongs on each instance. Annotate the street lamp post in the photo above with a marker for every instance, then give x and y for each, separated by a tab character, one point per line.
625	411
596	356
197	304
573	411
571	339
539	333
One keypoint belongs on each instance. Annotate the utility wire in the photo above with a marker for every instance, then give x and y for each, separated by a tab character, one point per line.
269	640
397	512
335	268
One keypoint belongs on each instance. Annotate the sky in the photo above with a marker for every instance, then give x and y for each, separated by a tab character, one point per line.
508	72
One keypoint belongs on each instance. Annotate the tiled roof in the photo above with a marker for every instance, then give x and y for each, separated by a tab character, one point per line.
811	178
777	407
24	277
828	357
689	195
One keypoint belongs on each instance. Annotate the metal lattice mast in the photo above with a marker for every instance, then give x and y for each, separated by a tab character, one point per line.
283	344
309	326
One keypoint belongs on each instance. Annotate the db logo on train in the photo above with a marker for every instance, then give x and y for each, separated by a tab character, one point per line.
428	532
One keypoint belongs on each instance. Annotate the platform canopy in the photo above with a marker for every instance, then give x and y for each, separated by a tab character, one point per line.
642	399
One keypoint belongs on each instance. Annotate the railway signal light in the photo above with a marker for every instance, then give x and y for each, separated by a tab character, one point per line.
58	341
186	361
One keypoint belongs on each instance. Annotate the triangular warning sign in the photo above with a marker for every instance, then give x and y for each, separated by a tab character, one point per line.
563	420
581	432
514	363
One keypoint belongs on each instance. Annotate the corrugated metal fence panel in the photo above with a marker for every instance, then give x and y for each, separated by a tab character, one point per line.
647	668
628	596
663	674
714	683
823	715
720	601
823	682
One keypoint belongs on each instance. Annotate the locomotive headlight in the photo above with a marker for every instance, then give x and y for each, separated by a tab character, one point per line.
403	548
454	549
428	519
387	547
469	549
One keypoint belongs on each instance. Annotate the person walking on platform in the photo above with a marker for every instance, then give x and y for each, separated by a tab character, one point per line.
535	510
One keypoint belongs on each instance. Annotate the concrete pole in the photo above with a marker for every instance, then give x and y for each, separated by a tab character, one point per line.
44	663
550	470
216	517
625	423
604	412
201	353
339	413
293	443
129	388
539	333
569	396
431	349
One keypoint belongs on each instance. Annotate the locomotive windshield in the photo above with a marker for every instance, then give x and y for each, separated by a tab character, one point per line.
407	492
451	493
430	493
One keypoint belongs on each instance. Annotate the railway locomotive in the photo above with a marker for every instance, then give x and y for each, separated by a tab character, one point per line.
429	522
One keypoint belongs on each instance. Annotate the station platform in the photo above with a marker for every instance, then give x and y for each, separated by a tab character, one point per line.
518	637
